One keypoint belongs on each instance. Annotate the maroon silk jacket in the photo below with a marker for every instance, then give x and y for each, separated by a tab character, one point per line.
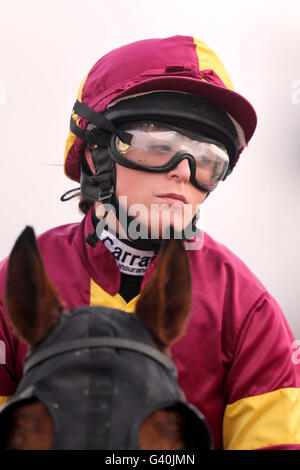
238	361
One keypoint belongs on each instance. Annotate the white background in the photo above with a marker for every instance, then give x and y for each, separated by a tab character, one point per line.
46	49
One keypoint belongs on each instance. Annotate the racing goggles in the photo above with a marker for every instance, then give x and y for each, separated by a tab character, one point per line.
157	148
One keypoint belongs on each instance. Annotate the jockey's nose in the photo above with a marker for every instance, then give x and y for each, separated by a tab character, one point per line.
182	171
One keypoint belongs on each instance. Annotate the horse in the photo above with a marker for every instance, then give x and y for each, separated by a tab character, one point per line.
96	377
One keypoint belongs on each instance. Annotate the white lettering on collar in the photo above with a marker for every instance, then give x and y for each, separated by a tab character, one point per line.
129	259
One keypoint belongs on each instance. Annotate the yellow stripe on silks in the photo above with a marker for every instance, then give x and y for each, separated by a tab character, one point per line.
100	297
72	137
3	400
263	420
208	60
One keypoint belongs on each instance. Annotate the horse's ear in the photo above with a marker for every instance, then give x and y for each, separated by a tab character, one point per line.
32	302
164	303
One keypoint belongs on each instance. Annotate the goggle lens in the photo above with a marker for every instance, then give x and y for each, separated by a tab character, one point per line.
153	146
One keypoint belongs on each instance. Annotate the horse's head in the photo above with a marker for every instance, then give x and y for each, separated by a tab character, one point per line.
98	378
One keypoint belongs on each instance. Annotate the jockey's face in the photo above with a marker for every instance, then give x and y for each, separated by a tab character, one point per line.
164	198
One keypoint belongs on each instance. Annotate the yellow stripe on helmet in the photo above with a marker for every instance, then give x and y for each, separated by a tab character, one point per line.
72	137
208	60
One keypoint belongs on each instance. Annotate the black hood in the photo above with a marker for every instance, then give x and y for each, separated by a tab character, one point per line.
94	364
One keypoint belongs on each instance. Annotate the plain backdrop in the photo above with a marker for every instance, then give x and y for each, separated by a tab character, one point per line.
46	49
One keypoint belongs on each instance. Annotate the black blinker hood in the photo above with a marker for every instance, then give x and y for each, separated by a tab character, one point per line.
93	365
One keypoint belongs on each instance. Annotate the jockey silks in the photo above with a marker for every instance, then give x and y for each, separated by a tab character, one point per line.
234	361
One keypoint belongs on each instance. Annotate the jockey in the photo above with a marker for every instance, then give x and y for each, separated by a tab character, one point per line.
155	128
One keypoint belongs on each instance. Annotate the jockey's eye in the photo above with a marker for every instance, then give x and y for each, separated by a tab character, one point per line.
160	148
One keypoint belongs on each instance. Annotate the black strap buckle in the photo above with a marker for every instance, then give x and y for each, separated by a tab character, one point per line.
106	195
104	128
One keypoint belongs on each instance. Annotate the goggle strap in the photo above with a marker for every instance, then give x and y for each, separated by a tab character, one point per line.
103	125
